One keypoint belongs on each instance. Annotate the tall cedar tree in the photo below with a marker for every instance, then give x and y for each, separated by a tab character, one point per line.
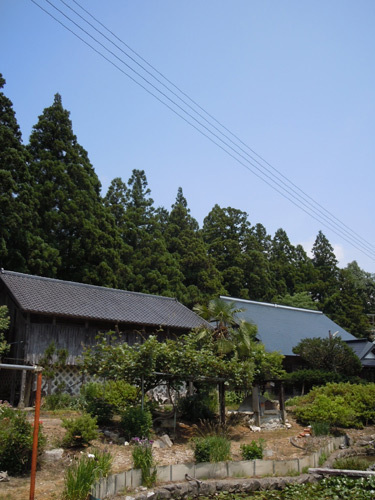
258	277
201	279
72	218
325	269
226	230
20	249
282	261
153	268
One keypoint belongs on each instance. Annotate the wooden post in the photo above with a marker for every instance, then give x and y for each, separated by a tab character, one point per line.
255	401
34	455
222	402
142	393
21	403
282	402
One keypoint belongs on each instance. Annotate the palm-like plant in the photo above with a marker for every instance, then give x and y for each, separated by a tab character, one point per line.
229	334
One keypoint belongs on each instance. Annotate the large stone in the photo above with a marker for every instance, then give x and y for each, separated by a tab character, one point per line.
167	440
53	455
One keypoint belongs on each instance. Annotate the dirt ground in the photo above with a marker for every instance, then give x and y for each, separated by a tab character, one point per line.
50	476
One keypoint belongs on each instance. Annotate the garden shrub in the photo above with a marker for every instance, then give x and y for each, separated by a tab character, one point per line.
144	460
79	431
82	474
120	394
320	428
136	422
342	405
253	450
101	410
351	463
211	449
199	406
102	400
16	441
59	401
233	398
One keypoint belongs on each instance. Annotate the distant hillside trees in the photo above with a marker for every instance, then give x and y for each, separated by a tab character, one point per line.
54	221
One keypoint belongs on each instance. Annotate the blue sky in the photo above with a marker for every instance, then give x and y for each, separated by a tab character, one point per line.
294	80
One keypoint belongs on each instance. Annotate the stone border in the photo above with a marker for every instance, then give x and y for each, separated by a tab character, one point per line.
176	473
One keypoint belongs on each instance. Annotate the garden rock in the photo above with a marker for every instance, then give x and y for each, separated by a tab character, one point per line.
4	476
167	440
53	455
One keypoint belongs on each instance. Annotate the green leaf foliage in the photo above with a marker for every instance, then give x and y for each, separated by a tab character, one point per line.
136	423
54	222
79	431
4	325
211	449
329	354
342	405
16	441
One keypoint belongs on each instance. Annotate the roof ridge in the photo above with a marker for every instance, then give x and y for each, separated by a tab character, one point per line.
86	285
268	304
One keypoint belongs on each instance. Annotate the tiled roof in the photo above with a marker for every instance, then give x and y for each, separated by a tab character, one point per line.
39	295
280	328
365	350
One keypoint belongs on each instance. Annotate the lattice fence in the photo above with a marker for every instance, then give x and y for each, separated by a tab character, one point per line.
68	379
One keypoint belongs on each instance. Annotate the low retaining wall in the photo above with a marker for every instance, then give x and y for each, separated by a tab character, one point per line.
247	468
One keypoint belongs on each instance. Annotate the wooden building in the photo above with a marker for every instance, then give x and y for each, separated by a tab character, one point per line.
45	310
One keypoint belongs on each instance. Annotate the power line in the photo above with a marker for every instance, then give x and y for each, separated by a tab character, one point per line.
291	188
332	217
287	191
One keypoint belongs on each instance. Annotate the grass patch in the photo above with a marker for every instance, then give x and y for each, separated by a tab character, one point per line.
351	463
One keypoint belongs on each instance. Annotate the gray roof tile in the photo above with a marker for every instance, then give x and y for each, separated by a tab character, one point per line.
280	328
35	294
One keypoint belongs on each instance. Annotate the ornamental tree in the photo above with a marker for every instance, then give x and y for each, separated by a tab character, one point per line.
329	354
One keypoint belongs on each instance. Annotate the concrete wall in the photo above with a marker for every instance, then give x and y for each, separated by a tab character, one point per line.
247	468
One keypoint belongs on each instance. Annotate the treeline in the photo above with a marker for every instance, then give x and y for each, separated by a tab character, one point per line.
55	222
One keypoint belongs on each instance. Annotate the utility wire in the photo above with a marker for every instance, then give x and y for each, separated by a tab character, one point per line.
327	223
331	216
291	188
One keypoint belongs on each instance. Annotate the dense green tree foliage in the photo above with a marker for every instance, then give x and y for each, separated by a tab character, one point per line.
329	354
54	222
71	216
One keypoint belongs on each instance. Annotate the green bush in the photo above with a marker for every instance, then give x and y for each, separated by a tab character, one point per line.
16	441
199	406
59	401
144	460
102	400
80	476
211	449
253	450
136	422
121	395
320	428
341	405
79	431
101	410
233	398
351	463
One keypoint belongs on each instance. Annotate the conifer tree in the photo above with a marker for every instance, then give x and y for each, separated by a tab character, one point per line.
282	261
20	248
326	270
153	269
226	231
184	241
72	218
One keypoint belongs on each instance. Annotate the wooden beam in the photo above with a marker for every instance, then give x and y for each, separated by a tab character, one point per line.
341	472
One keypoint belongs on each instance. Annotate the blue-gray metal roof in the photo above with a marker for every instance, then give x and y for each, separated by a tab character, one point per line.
35	294
365	350
280	328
